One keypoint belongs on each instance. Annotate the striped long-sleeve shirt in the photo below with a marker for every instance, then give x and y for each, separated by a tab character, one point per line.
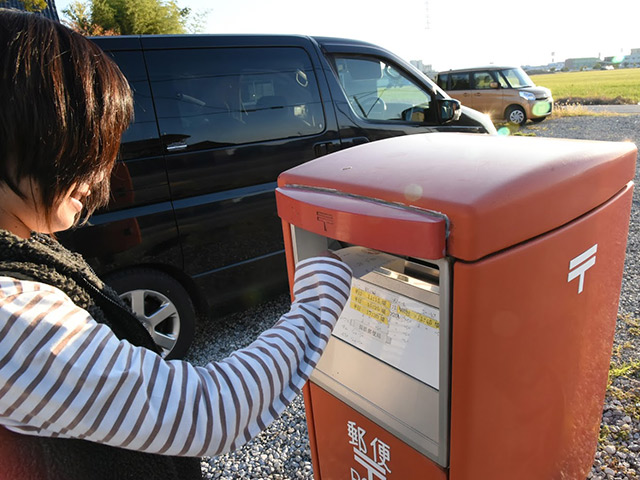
64	375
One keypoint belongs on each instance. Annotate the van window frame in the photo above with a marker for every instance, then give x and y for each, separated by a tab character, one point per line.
404	73
144	125
474	84
253	134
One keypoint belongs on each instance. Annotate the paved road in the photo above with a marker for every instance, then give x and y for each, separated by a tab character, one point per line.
614	108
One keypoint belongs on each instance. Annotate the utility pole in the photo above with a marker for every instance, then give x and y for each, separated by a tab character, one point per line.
427	16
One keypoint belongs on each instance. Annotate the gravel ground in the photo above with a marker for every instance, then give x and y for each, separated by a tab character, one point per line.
282	451
618	454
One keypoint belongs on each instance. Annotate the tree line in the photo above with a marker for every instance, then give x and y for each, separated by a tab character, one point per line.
126	17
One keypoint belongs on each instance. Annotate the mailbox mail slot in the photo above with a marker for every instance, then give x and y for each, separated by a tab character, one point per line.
478	332
396	325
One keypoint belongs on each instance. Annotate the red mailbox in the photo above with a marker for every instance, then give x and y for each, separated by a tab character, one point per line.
477	338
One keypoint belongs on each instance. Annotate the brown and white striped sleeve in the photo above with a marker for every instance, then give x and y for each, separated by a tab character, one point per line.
62	374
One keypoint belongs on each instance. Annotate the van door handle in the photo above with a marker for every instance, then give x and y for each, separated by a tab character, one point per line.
176	146
322	148
353	141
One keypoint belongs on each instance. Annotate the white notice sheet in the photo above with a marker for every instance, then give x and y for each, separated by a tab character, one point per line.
394	328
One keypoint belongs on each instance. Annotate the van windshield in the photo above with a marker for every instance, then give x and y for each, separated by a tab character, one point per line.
516	78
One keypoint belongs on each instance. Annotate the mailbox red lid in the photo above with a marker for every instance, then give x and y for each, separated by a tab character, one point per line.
495	191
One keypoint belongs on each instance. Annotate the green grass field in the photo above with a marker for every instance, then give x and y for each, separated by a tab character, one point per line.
597	84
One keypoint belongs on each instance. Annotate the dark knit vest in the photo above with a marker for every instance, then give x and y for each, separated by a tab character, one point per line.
43	259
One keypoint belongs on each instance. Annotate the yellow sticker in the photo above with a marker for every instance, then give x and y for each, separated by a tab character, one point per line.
370	313
358	292
419	317
375	306
370	305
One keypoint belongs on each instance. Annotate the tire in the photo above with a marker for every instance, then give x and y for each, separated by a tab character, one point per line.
163	306
516	114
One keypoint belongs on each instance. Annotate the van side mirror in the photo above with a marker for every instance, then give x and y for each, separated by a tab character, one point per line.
416	114
494	85
450	110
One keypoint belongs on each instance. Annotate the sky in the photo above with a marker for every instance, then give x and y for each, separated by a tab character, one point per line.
444	33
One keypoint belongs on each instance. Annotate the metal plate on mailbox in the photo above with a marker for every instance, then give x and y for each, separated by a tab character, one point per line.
397	329
388	354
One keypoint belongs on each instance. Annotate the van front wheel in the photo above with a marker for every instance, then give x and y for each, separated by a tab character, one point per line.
515	114
163	306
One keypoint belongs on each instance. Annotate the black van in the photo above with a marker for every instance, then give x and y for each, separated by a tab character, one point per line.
192	222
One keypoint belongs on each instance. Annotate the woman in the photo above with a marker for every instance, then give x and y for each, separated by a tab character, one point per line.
83	394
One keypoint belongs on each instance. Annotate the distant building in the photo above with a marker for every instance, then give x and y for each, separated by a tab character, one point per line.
49	11
549	67
633	59
557	66
581	63
426	69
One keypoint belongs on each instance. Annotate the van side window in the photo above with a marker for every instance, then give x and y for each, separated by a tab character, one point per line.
442	80
141	138
216	97
378	91
516	78
482	80
460	81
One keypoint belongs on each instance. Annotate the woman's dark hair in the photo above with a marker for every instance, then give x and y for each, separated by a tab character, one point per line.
64	105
